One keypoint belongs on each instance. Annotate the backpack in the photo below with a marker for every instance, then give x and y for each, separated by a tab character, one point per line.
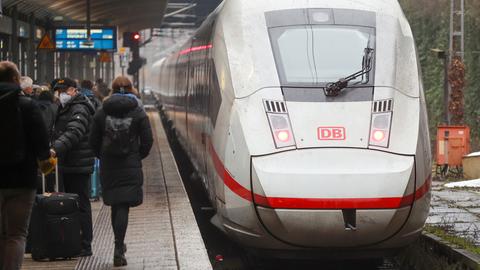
12	133
117	140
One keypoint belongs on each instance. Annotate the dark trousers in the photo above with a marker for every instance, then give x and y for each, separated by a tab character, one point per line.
80	184
120	222
15	209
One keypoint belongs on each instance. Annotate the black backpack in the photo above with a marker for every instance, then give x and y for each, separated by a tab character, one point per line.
117	140
12	133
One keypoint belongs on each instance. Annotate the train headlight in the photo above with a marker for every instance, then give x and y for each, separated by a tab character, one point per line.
283	135
378	135
281	130
380	129
279	123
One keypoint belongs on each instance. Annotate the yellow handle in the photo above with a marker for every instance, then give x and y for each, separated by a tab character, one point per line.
47	166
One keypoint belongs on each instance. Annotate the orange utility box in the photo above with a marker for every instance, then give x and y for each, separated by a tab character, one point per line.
453	142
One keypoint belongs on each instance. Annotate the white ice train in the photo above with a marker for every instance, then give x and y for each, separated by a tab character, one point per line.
307	121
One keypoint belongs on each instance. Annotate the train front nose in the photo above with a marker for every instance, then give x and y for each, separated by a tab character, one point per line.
333	197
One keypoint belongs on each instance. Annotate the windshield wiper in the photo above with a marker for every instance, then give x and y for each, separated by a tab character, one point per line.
333	89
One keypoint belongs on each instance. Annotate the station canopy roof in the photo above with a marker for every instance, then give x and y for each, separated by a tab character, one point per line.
128	15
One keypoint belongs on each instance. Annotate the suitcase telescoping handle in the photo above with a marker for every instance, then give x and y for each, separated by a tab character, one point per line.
56	180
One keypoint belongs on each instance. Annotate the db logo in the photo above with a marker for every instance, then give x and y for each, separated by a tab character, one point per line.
331	133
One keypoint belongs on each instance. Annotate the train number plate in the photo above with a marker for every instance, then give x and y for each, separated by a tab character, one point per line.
331	134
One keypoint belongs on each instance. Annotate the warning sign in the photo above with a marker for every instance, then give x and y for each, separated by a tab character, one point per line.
46	43
105	57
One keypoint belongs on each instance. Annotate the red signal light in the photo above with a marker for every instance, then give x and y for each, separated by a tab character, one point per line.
136	36
219	258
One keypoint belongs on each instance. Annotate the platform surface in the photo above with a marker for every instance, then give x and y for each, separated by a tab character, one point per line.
162	232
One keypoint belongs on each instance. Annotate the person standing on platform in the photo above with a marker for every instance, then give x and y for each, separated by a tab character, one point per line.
56	98
24	142
76	159
26	83
101	90
121	137
86	88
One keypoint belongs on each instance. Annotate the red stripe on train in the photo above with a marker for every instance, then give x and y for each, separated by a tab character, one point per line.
315	203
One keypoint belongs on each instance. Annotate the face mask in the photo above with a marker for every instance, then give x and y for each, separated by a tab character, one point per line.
64	98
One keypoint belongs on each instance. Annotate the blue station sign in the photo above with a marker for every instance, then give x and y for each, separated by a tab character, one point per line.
75	39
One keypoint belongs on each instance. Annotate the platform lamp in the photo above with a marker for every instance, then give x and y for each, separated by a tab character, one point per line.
442	54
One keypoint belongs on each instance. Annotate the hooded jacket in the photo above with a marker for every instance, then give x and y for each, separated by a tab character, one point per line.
97	104
122	177
72	127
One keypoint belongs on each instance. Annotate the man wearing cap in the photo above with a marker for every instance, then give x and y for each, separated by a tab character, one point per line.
70	145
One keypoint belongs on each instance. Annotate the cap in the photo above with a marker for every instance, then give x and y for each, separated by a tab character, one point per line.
65	83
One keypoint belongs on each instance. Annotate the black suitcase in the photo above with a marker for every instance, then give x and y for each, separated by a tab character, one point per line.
55	225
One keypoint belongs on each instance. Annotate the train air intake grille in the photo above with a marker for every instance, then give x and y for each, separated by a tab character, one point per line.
275	106
382	106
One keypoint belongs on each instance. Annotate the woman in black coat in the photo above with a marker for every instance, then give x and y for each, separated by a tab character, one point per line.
121	137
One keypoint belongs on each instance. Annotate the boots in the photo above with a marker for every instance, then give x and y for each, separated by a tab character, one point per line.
119	255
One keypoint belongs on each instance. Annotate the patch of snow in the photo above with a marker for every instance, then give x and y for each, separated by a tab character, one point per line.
469	183
475	154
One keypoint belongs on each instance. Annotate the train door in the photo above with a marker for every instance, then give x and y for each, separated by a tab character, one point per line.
170	90
210	90
199	98
181	94
206	89
194	102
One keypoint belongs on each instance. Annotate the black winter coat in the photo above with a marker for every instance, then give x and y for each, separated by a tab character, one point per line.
24	174
122	177
72	127
49	113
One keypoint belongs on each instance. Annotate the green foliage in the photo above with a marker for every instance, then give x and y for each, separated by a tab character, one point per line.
458	241
430	22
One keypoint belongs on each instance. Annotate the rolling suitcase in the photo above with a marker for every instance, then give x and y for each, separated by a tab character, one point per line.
55	225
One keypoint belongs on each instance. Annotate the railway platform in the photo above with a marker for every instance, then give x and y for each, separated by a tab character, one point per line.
162	232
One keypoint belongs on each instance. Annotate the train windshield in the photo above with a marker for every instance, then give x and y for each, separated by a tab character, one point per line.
317	54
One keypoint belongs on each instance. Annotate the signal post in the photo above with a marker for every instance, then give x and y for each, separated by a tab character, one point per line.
132	41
